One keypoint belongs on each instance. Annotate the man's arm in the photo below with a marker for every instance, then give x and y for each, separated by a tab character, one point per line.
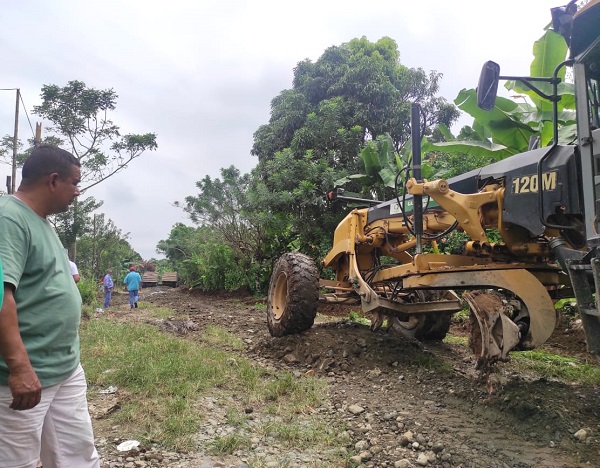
22	379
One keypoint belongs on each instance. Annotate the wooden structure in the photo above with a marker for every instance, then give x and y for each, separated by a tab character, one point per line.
149	279
169	278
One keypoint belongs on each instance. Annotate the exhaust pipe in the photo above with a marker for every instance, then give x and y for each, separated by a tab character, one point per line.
564	255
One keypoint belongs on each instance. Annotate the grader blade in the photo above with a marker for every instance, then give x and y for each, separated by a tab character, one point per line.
493	333
536	319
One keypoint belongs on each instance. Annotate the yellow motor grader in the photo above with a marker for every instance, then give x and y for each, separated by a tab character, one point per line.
544	204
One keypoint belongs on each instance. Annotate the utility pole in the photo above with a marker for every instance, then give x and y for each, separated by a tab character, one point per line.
15	140
38	135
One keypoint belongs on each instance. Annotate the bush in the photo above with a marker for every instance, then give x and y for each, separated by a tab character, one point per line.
88	288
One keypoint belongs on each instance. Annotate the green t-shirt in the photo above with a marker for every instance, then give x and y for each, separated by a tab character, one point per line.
48	301
1	285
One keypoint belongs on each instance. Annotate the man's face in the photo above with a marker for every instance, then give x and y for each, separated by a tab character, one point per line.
65	189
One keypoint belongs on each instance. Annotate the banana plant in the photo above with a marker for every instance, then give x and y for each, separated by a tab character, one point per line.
381	164
508	128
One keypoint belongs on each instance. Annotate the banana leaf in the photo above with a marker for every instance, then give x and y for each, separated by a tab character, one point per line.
475	148
504	129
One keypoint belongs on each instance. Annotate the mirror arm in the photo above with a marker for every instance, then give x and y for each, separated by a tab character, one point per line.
526	80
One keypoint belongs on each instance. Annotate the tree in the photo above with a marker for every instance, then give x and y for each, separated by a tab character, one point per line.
224	205
74	223
105	246
352	94
80	118
202	258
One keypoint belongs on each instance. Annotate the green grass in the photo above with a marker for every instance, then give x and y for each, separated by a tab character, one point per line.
229	444
430	362
558	367
460	340
545	364
162	380
357	317
300	435
462	316
216	336
157	312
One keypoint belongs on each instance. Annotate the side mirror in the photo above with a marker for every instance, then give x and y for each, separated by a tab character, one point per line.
487	89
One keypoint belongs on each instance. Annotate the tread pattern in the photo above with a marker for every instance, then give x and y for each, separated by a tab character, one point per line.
302	294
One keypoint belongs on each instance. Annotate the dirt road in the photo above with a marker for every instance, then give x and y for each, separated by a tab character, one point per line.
406	404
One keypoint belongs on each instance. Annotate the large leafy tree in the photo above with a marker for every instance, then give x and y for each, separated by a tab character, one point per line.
72	224
202	258
352	93
224	204
349	96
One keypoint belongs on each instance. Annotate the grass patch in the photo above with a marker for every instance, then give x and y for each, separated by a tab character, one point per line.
300	435
553	366
234	417
298	395
216	336
459	340
356	316
162	380
229	444
158	312
164	376
462	316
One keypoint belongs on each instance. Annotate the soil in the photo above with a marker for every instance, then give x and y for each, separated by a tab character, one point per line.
506	419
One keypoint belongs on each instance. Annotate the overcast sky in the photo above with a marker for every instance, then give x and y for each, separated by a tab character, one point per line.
201	74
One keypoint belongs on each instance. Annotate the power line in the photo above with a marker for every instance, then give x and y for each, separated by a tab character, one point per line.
25	109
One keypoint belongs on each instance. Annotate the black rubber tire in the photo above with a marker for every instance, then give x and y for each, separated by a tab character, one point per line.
435	328
293	295
430	327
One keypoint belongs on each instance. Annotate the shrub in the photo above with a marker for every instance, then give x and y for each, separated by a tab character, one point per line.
88	288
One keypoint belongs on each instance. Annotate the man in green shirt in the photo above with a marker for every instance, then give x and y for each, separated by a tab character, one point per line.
1	284
43	406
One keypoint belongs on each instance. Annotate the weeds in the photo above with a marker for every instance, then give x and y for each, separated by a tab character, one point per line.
356	317
460	317
230	443
459	340
163	380
157	312
216	336
558	367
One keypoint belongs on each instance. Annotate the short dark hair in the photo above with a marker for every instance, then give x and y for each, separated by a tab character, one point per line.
46	159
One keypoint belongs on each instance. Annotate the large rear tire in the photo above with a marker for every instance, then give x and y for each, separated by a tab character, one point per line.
293	295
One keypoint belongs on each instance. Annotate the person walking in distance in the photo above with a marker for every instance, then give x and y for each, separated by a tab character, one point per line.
133	280
108	287
43	407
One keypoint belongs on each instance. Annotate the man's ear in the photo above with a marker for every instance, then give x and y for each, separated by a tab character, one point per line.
52	180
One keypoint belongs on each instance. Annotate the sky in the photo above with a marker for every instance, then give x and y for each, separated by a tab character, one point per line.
201	75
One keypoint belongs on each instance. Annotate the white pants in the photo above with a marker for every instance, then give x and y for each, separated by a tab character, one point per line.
58	430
